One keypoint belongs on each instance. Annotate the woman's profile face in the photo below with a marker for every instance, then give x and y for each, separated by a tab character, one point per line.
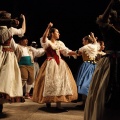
56	34
102	46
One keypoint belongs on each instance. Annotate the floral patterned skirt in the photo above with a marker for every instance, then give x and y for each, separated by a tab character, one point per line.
55	92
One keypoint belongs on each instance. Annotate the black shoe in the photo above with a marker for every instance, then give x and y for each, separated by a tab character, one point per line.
61	109
1	108
48	105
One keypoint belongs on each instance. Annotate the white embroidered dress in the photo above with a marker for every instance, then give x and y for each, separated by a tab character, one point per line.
58	79
10	76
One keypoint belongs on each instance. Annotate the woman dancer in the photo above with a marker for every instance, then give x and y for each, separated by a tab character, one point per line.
10	76
89	52
55	82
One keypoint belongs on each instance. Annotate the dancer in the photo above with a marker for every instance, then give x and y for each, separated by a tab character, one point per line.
25	56
89	52
10	75
104	93
55	82
36	71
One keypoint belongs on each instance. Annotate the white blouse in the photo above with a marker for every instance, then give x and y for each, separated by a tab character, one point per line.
58	45
91	50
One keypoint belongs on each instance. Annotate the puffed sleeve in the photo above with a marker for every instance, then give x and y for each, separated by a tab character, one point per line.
16	31
81	49
63	49
44	45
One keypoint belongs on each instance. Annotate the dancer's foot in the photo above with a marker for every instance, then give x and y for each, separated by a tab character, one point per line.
48	105
27	96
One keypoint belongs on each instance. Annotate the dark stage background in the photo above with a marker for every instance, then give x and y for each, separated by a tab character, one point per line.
73	18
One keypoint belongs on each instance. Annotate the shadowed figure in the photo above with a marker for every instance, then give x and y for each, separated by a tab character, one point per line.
104	93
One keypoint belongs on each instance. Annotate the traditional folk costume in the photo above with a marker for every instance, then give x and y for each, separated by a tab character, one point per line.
89	53
25	56
10	77
55	82
103	99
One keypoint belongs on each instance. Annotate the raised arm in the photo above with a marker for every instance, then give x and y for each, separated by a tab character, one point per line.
45	35
105	16
24	23
106	13
92	36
